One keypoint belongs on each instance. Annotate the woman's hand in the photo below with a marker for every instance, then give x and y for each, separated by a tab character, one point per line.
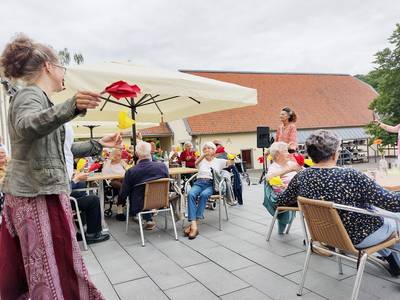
78	177
295	168
87	100
111	141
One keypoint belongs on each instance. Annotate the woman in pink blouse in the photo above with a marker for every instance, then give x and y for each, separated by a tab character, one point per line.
287	132
392	129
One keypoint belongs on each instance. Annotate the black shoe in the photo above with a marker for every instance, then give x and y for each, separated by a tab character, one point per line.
121	217
92	238
394	268
78	236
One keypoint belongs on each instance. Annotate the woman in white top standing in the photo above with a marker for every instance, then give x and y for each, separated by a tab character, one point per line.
202	187
116	166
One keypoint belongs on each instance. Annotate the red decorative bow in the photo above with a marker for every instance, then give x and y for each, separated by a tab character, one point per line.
94	167
299	158
121	89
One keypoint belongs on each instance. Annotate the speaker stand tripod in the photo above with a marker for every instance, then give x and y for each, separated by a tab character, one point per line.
264	167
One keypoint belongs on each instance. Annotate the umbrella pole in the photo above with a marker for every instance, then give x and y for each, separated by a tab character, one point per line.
133	116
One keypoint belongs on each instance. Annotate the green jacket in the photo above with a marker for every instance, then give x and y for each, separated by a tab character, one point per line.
37	134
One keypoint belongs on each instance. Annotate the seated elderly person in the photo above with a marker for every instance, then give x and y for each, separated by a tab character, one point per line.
220	151
116	166
174	156
89	205
283	165
188	156
325	181
202	188
145	170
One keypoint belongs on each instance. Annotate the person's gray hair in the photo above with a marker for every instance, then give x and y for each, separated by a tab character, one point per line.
143	150
210	145
276	148
188	143
321	145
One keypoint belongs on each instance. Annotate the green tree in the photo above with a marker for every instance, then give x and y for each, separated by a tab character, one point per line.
65	57
386	80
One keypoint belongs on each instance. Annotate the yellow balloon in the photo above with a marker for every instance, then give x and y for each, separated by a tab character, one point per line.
81	164
276	181
308	162
231	156
124	121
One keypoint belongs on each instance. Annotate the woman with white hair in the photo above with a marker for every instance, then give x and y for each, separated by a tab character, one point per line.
283	165
188	156
202	188
285	168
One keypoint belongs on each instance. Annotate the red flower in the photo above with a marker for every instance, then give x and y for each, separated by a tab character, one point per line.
121	89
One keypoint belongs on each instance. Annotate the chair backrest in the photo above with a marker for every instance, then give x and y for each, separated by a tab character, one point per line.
156	194
324	224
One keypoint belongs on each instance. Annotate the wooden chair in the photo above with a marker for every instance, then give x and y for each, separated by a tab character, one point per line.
77	217
156	199
325	226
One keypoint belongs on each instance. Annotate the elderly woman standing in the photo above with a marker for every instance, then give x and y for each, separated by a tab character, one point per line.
39	255
325	181
287	131
202	187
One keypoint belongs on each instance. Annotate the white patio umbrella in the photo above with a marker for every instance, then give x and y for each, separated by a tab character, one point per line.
101	128
171	95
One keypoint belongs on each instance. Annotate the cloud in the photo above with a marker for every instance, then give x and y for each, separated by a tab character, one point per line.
257	35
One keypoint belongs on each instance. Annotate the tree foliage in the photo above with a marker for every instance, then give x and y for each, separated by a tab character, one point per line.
386	81
65	57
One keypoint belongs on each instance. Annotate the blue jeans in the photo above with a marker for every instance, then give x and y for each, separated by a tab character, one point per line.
382	234
202	188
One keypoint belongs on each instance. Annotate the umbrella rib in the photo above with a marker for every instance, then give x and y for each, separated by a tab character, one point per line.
157	107
197	101
145	102
105	102
115	102
161	100
142	99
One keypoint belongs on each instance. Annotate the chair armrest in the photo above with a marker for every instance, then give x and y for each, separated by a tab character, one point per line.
189	180
374	211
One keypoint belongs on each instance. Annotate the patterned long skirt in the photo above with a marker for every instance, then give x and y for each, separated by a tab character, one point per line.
39	255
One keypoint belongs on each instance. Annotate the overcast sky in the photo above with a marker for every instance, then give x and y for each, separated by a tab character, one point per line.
324	36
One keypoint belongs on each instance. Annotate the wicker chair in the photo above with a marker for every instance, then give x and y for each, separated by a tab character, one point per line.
156	199
325	226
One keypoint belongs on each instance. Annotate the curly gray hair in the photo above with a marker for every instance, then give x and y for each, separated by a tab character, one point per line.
321	145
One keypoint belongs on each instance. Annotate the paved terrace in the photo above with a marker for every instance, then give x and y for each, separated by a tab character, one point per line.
236	263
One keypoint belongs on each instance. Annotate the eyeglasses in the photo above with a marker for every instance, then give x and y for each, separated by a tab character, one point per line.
61	67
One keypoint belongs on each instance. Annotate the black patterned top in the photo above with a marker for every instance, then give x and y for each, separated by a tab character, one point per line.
347	187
